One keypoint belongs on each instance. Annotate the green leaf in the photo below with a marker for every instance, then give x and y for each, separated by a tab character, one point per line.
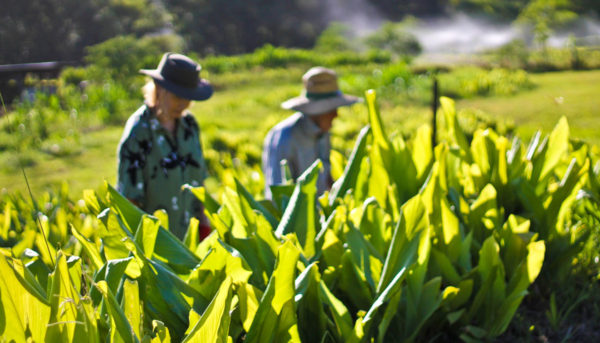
63	303
213	326
171	250
209	203
300	216
161	332
249	300
312	320
120	329
422	152
132	307
339	312
221	262
349	177
90	249
21	310
455	133
379	136
145	235
252	203
354	284
267	325
558	145
405	241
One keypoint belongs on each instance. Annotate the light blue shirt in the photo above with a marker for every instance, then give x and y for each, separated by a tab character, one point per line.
300	141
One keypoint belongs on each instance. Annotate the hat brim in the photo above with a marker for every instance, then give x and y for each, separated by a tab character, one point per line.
319	106
202	91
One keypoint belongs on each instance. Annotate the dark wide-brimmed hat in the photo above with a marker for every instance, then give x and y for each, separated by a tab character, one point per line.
321	93
180	75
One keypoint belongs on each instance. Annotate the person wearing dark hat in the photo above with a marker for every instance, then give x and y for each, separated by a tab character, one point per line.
304	137
160	149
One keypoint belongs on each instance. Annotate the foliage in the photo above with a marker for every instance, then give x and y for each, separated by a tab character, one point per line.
470	82
413	243
336	37
36	31
395	39
544	15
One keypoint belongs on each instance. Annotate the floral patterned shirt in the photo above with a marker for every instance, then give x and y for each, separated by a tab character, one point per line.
153	164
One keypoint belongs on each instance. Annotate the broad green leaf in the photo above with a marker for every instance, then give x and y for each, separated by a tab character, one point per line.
161	332
390	313
300	216
573	180
171	249
312	320
484	216
379	136
339	312
447	270
338	161
87	328
354	283
63	303
363	254
40	272
145	235
405	242
455	297
210	204
388	293
247	197
128	212
22	309
191	239
213	326
249	300
267	324
422	151
220	263
90	249
120	329
455	133
132	307
353	168
373	224
426	300
558	145
527	273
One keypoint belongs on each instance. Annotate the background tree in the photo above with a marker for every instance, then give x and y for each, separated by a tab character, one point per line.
544	16
40	30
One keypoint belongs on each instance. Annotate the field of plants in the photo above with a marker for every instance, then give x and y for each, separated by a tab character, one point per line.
414	243
488	231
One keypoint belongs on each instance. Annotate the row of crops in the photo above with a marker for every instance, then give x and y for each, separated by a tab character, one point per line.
413	243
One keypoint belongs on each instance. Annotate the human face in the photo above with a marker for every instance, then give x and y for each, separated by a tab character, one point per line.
325	121
170	106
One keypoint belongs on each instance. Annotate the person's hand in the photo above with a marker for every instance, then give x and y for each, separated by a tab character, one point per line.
203	231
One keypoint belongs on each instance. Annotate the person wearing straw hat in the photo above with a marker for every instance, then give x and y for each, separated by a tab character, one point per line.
304	137
160	148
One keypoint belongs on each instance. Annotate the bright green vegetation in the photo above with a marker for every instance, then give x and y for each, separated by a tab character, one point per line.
573	94
414	243
246	105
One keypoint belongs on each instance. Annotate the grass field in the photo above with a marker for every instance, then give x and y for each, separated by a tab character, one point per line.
246	105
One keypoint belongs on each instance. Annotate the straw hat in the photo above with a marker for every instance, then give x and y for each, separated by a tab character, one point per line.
321	93
180	75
